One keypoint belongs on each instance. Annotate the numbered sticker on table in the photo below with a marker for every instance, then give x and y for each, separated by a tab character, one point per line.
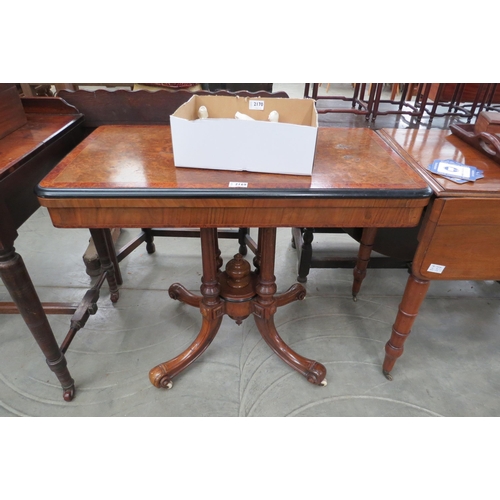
256	105
238	184
436	268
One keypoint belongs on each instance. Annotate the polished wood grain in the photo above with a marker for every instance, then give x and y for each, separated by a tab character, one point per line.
141	157
27	154
12	115
122	107
38	133
488	121
468	92
486	142
124	176
461	227
462	224
420	147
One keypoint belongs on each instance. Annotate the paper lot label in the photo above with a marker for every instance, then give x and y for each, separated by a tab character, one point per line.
435	268
256	105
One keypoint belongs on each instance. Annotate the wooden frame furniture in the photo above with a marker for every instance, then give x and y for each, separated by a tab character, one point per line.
460	230
484	135
35	134
44	89
403	106
464	100
370	186
370	107
123	107
395	245
359	104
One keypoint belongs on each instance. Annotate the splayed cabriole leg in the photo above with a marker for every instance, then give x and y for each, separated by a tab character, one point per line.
182	294
365	250
295	292
161	376
313	371
18	283
414	295
211	308
265	305
237	292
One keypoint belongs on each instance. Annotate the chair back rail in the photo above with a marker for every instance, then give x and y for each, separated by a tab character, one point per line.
141	107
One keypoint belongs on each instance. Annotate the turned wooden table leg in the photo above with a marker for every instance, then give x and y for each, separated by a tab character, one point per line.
112	255
100	242
18	283
256	258
414	295
365	250
265	305
211	307
242	236
305	254
149	239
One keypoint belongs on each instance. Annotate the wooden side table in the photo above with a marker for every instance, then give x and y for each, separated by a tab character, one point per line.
47	129
460	230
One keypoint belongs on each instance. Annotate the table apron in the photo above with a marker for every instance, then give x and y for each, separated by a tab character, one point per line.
336	216
460	235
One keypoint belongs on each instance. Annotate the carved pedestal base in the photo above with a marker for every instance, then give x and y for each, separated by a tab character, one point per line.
237	292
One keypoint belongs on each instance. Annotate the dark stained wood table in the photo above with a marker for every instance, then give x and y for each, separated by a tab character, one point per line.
460	230
124	176
50	130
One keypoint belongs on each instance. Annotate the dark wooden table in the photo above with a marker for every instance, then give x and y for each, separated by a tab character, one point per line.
460	230
27	154
123	176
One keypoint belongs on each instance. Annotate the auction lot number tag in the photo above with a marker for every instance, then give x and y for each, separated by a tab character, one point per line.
256	105
436	268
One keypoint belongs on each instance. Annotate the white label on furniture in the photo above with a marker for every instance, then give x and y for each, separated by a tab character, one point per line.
238	184
256	105
436	268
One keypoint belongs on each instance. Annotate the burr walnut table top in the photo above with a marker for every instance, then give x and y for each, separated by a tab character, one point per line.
124	176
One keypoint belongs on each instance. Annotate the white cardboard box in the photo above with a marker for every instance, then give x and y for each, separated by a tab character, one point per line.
222	142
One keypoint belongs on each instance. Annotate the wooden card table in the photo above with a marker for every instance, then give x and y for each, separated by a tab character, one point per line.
461	227
124	176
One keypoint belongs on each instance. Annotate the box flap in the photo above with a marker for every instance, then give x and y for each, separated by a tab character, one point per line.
295	111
